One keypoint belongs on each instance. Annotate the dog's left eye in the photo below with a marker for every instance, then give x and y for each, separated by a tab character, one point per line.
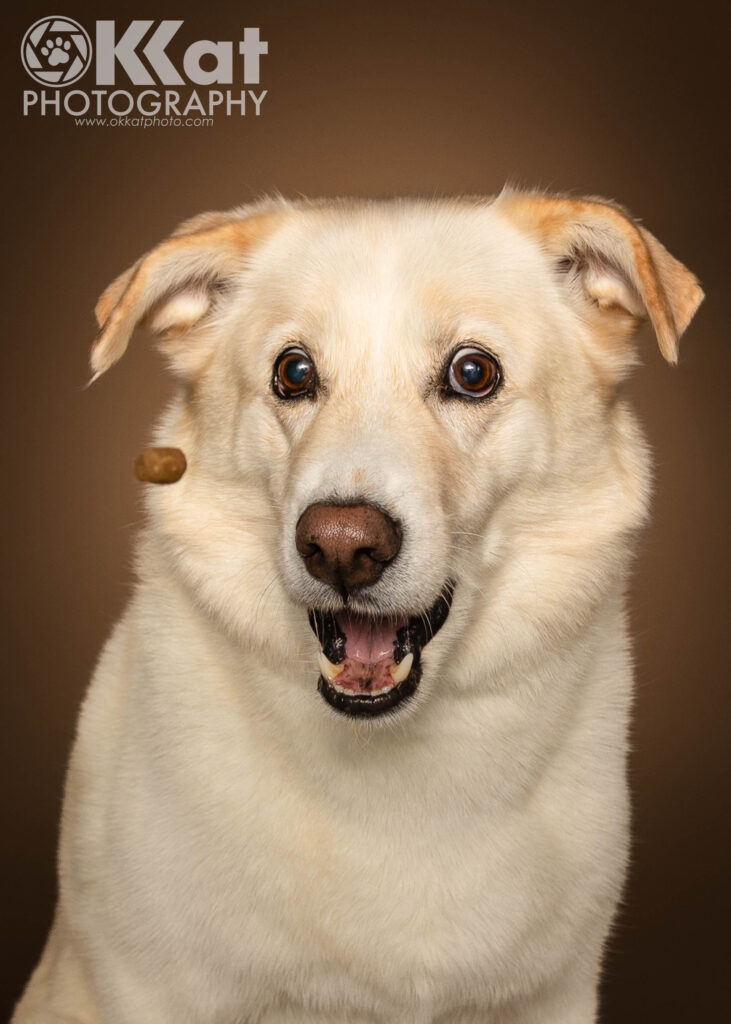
294	374
472	373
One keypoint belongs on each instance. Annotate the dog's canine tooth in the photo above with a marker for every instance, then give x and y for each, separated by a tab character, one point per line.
400	672
327	668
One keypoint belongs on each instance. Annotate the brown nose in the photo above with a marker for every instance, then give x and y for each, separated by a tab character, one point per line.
347	546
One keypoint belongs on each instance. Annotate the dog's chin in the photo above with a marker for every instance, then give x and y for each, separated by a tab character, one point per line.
370	663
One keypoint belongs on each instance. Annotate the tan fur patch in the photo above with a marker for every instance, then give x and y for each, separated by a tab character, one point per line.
204	255
669	291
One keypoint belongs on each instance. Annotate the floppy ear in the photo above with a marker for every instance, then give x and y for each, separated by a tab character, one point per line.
621	266
174	285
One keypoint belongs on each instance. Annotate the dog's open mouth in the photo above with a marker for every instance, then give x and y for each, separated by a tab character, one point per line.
370	663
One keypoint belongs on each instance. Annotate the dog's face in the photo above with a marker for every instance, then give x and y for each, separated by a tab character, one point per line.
402	418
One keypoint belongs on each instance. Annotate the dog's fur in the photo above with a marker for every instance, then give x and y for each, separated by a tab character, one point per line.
232	849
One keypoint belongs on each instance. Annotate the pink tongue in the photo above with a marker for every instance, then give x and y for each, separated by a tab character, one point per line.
369	640
368	652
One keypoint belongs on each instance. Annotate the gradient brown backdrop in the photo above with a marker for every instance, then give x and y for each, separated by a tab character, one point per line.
374	98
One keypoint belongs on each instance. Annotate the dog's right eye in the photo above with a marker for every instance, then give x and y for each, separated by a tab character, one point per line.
294	374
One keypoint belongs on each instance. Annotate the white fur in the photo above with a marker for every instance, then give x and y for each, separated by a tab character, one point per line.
233	850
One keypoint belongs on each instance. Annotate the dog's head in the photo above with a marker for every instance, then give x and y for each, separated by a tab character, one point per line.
400	415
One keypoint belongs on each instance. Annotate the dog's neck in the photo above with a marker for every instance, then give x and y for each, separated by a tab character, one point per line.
488	738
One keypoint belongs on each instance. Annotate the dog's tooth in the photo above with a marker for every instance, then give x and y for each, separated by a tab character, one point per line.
399	672
327	668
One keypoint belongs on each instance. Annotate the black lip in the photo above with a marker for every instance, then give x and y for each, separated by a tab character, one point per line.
410	639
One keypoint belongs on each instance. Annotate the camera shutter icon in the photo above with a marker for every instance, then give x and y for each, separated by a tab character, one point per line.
56	51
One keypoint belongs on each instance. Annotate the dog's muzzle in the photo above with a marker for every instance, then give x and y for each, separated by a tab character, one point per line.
369	663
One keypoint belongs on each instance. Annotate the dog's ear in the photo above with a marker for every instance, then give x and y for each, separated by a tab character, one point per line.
622	268
172	287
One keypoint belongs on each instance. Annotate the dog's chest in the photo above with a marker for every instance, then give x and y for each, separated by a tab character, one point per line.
361	902
399	875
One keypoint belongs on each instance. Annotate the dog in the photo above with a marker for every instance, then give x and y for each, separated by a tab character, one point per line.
356	750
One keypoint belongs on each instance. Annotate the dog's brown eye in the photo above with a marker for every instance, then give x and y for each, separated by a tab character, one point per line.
294	374
473	373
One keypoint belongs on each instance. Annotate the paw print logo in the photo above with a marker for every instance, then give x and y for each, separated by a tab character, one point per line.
56	51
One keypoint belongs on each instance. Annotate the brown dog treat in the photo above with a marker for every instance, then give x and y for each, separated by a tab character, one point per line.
160	465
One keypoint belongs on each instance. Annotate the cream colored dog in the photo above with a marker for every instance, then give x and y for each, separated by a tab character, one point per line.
289	801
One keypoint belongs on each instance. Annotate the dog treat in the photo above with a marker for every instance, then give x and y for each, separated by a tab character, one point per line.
160	465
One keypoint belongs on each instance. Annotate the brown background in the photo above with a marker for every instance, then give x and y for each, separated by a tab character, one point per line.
373	99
